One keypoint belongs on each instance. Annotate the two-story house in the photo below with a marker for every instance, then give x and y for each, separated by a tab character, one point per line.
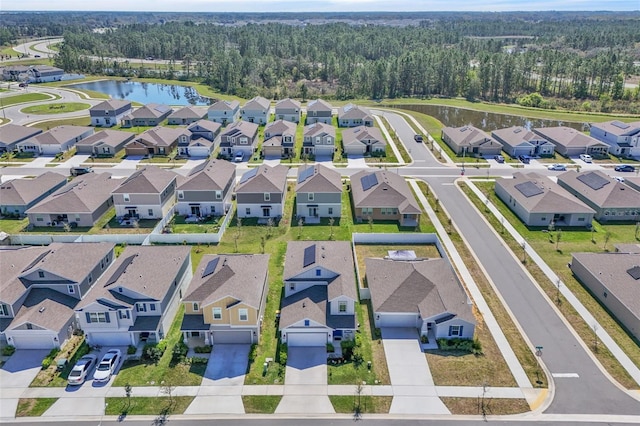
224	112
319	293
622	138
149	193
109	113
261	192
148	115
240	136
256	110
207	189
225	301
352	115
18	195
138	298
187	115
288	110
279	139
318	193
201	141
319	139
319	111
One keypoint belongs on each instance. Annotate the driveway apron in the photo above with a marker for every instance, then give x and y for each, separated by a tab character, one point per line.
16	375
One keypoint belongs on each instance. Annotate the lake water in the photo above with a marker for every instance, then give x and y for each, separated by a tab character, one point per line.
145	93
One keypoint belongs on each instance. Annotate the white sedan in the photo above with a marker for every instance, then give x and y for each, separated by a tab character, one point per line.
558	167
107	365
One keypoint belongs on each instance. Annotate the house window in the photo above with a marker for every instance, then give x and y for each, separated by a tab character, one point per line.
71	289
4	310
152	306
218	195
318	272
41	274
292	286
311	196
217	313
329	141
247	210
330	211
124	315
581	219
97	317
39	219
455	330
244	141
196	307
244	314
342	306
267	196
367	210
180	195
141	307
29	326
150	211
126	197
306	323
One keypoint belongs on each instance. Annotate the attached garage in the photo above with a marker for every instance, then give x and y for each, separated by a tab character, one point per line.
232	337
396	320
109	339
33	341
307	339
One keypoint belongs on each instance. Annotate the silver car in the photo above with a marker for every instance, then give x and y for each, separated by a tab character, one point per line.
81	370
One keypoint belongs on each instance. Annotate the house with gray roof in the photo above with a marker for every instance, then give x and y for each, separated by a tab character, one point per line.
363	140
149	115
240	136
11	134
351	115
224	112
225	301
288	110
81	202
279	139
614	279
105	143
41	285
261	192
137	299
517	141
55	141
18	195
423	294
622	138
44	74
633	182
109	113
187	115
149	193
571	142
319	300
201	141
319	111
469	141
539	201
256	110
318	193
157	141
319	139
384	195
612	201
207	189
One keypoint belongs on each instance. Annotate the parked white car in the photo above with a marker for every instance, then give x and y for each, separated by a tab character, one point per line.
239	157
586	158
107	365
81	370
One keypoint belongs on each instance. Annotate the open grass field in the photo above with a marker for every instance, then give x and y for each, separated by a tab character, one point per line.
26	97
55	108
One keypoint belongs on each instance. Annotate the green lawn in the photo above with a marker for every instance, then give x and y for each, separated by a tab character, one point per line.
55	108
33	407
368	404
50	124
260	404
26	97
13	226
138	406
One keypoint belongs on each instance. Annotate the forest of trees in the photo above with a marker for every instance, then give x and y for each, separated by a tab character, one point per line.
583	59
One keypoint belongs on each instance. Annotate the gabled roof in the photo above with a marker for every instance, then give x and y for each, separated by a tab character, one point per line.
240	276
211	126
548	197
241	128
150	271
351	112
428	287
189	112
619	128
361	133
317	129
288	103
568	137
258	103
515	136
225	106
83	194
600	189
107	137
317	178
148	180
160	136
45	308
22	192
319	105
468	136
279	128
111	104
265	179
12	133
61	134
150	111
211	175
386	189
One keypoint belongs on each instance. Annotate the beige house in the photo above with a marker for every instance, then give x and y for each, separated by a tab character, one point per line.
571	142
363	140
469	141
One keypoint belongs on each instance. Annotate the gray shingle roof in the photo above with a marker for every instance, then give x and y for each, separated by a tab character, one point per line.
287	103
514	136
568	137
316	129
112	138
212	175
110	104
362	133
148	180
22	192
322	180
469	136
242	127
280	127
257	103
351	112
12	133
189	112
319	105
225	106
267	179
61	134
615	127
45	308
613	195
390	191
150	111
211	126
161	136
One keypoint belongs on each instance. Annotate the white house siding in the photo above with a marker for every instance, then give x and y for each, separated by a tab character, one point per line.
354	149
206	208
32	339
442	329
386	319
199	151
323	149
256	210
143	210
308	338
519	150
335	306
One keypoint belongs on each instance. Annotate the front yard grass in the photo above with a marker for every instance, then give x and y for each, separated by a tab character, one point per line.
368	404
261	404
137	406
473	406
572	241
73	350
55	108
33	407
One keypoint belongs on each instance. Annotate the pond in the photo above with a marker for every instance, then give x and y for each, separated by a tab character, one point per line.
145	93
488	121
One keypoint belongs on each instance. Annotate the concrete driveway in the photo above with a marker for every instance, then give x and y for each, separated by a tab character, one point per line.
16	375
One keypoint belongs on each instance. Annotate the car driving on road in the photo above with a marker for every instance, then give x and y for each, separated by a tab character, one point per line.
107	365
81	370
625	168
558	167
417	138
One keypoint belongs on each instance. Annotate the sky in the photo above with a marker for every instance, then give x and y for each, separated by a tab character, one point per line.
320	5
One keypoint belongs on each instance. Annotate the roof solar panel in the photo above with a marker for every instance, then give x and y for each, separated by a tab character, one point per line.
211	266
517	130
36	260
368	181
305	174
528	189
593	180
162	108
251	173
620	124
118	272
348	107
309	256
634	272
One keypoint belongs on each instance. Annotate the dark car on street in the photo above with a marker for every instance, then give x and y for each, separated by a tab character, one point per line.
625	168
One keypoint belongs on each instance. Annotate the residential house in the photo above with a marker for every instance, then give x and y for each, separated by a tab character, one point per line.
517	141
41	285
623	138
109	113
148	115
319	139
614	279
207	189
44	74
226	298
224	112
149	193
319	111
352	115
469	141
318	193
384	195
363	140
15	73
633	182
157	141
18	195
539	201
279	139
11	134
81	202
256	110
187	115
319	294
138	298
288	110
240	136
613	201
571	142
55	141
261	192
201	143
105	143
422	294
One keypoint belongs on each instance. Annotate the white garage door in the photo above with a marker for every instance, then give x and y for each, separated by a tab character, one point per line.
231	337
398	320
307	339
109	339
33	342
